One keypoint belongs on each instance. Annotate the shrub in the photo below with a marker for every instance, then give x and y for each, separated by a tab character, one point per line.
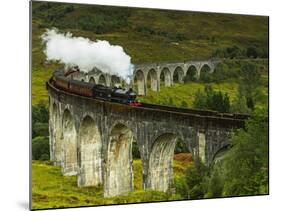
214	185
240	105
45	157
191	75
94	18
181	146
135	151
91	23
249	81
181	187
228	52
40	148
40	119
145	30
40	113
220	73
235	52
195	178
171	101
246	164
199	100
252	52
40	129
205	76
218	101
212	100
184	104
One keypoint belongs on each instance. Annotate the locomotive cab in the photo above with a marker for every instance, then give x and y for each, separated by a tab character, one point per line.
131	96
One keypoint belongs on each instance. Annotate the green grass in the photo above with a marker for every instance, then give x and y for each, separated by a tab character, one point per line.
51	189
201	32
137	175
39	92
186	92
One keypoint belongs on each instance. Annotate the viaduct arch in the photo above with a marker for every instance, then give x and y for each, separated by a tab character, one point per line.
69	160
168	73
89	153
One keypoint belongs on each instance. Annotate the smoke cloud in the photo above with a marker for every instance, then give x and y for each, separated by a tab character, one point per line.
87	54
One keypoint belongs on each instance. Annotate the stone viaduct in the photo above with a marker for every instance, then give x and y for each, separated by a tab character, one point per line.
151	75
93	139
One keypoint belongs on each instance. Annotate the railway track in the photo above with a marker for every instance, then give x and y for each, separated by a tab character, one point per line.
195	111
183	111
82	89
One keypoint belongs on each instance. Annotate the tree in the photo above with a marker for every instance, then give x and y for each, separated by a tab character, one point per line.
191	74
184	104
40	120
212	100
199	100
242	171
171	102
205	74
252	52
195	179
240	104
181	146
40	113
233	52
135	151
215	184
40	148
220	73
40	129
218	101
246	164
249	81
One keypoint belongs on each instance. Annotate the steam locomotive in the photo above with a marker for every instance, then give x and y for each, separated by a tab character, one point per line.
61	81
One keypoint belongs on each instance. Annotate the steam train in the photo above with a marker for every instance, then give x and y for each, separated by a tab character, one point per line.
61	81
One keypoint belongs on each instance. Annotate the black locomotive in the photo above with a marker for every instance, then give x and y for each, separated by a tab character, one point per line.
94	90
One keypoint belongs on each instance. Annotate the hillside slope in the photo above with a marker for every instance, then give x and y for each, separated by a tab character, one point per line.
149	35
145	34
52	190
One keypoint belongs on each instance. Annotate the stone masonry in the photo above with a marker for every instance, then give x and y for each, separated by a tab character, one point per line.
151	74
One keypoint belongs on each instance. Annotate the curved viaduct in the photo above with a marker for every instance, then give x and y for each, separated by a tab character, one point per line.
93	139
151	75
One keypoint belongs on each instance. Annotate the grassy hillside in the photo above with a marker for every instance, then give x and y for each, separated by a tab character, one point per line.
145	34
51	189
186	93
151	35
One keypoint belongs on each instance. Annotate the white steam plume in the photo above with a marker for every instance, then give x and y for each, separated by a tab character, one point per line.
87	54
